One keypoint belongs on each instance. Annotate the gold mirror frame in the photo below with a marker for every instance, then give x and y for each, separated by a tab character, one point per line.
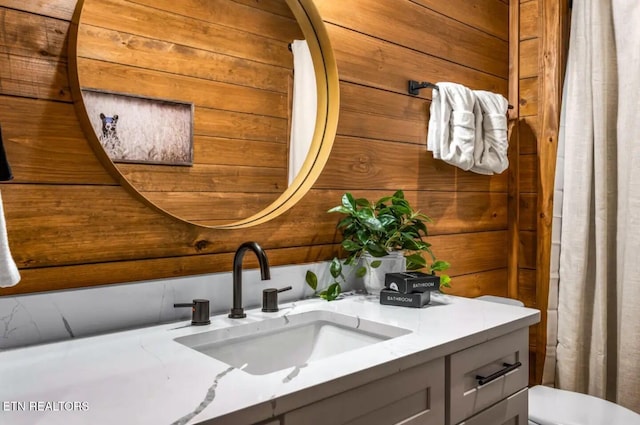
328	98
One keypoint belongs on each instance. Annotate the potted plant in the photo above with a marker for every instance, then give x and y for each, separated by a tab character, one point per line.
373	231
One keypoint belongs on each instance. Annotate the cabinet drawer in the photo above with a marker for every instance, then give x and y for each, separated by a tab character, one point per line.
512	411
490	359
413	396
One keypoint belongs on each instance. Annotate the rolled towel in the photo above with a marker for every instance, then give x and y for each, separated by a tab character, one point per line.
9	275
490	152
454	125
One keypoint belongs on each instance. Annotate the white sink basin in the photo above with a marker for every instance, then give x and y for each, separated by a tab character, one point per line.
270	345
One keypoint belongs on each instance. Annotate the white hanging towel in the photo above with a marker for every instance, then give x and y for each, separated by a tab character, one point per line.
453	125
9	275
490	152
305	107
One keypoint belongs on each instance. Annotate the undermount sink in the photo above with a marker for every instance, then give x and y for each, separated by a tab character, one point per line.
292	340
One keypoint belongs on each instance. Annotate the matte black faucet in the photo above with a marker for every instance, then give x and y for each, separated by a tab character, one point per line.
237	312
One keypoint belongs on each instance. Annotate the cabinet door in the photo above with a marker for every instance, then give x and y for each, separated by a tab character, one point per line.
468	394
410	397
512	411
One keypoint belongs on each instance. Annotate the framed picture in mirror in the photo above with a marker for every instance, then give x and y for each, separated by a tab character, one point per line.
141	130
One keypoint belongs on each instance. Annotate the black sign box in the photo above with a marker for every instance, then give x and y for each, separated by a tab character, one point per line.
408	282
417	299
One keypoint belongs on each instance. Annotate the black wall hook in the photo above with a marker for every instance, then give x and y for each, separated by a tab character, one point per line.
415	86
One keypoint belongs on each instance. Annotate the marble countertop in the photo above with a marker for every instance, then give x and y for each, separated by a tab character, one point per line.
143	376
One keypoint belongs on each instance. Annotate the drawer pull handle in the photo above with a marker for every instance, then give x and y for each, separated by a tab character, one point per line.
507	368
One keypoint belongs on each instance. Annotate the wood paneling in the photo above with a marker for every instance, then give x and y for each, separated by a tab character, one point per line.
70	225
528	130
529	20
542	29
527	250
529	96
553	33
529	58
374	62
528	211
489	16
529	173
61	9
423	30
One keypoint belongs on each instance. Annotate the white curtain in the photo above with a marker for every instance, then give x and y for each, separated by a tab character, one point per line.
594	303
305	105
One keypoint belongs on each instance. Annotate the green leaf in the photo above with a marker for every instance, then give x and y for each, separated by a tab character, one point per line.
376	250
350	245
440	265
335	268
361	271
399	194
333	291
340	209
348	201
312	279
375	264
382	200
415	261
363	202
402	209
411	244
420	226
445	281
372	223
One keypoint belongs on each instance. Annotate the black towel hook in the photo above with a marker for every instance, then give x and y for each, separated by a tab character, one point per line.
415	86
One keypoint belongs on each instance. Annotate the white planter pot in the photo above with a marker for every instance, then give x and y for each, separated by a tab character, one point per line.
394	262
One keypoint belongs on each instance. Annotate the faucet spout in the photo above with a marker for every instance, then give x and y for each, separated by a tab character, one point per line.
237	311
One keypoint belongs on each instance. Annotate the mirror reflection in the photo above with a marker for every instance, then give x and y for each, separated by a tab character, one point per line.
232	63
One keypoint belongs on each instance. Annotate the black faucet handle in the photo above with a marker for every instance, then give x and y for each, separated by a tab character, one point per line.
200	311
270	299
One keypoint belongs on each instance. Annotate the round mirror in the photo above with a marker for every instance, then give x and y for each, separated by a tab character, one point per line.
196	106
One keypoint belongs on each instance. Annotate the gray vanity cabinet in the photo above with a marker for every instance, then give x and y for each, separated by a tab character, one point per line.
448	390
410	397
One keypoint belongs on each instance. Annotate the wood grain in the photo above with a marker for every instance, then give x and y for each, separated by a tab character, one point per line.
528	129
554	32
44	143
423	30
529	175
528	211
491	17
374	62
374	164
529	58
527	250
71	226
117	47
513	153
529	19
60	9
528	96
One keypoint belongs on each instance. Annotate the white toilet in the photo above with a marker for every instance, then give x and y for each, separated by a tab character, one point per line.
552	406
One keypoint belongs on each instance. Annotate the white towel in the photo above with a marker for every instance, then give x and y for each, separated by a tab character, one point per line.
490	152
453	125
9	275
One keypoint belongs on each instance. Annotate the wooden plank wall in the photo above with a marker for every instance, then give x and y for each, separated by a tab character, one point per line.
541	27
70	225
233	65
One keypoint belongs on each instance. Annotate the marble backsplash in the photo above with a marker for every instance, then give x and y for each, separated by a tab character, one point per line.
59	315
